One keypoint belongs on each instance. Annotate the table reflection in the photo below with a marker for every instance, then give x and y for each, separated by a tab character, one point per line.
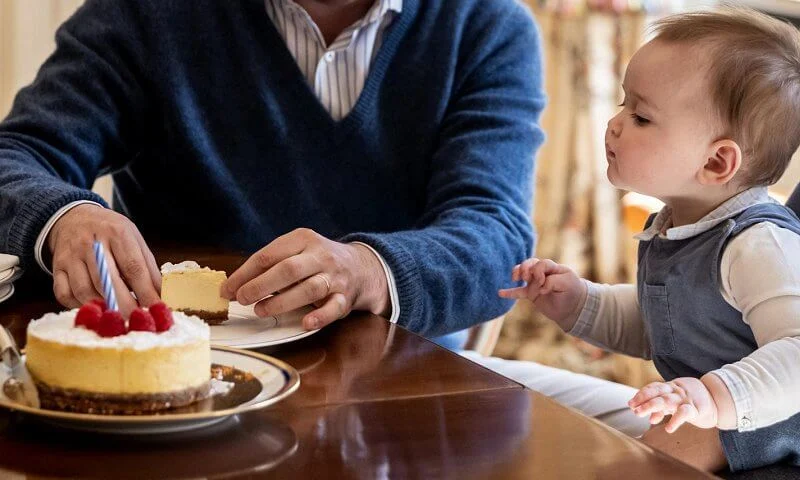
352	351
427	437
231	448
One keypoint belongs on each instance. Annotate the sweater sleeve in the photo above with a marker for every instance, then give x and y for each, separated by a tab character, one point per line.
475	226
74	121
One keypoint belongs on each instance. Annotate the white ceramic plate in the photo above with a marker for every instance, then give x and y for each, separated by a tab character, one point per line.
6	291
10	275
244	329
8	261
272	381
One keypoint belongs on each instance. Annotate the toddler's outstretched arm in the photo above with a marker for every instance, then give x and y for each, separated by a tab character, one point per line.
554	289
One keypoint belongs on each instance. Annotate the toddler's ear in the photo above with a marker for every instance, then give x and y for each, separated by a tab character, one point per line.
724	159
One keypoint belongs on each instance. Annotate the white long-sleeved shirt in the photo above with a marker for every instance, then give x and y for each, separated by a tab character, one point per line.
760	277
336	72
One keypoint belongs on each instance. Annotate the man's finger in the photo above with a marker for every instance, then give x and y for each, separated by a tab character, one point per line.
284	274
312	289
150	262
62	290
279	249
94	274
83	288
335	308
125	300
131	265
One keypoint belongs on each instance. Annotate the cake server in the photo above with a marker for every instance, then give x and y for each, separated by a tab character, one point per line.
19	387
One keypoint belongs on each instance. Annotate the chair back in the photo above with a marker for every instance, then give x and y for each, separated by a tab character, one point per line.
794	200
483	337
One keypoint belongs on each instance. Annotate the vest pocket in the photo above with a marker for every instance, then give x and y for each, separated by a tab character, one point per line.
656	312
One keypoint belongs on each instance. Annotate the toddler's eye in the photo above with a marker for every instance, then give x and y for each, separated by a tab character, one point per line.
639	120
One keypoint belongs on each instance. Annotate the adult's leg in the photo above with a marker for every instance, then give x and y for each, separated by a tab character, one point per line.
606	401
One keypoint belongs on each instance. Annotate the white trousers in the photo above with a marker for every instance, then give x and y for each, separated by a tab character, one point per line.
606	401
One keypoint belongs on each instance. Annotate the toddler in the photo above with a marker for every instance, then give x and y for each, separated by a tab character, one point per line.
710	118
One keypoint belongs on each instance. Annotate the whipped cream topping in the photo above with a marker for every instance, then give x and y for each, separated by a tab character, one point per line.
60	328
181	267
221	387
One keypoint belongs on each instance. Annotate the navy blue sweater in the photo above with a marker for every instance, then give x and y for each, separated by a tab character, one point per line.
214	137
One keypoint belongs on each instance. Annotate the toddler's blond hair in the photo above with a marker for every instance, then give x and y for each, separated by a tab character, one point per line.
754	80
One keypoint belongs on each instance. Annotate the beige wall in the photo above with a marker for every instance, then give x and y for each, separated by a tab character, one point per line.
27	29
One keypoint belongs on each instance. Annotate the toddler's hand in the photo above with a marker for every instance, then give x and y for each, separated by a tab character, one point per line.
686	399
554	289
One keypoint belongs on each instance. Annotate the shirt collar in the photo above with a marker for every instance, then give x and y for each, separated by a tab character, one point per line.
378	9
730	208
387	5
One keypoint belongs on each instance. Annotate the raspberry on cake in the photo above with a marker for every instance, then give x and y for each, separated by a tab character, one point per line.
141	321
194	291
82	363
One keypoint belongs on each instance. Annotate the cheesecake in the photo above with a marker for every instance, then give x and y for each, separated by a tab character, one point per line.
193	290
89	370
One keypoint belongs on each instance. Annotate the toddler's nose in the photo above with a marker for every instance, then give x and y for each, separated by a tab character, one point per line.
614	127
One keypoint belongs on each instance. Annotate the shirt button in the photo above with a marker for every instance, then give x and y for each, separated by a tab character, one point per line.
745	422
329	56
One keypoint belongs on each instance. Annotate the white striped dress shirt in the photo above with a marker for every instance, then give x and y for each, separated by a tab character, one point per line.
336	72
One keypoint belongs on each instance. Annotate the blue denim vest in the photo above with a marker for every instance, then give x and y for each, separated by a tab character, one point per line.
693	330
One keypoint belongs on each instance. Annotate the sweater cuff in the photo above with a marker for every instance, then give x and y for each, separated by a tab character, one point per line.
33	214
406	274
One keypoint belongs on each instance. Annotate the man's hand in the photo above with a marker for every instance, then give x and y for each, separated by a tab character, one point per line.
686	399
302	268
131	264
554	289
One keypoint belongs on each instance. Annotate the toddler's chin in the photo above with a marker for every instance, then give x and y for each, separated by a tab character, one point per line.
612	176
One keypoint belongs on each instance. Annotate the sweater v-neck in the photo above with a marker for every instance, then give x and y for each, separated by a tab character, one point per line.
307	100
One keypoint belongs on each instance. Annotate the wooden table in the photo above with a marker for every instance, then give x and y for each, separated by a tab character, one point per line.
375	401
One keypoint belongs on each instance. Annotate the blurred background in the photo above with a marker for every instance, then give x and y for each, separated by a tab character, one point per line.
581	219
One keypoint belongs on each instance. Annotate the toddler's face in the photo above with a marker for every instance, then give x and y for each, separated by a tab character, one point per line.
660	139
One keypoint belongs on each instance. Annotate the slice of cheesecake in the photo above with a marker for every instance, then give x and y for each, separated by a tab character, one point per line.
194	291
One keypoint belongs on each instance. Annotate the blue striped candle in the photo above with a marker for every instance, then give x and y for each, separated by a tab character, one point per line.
105	277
